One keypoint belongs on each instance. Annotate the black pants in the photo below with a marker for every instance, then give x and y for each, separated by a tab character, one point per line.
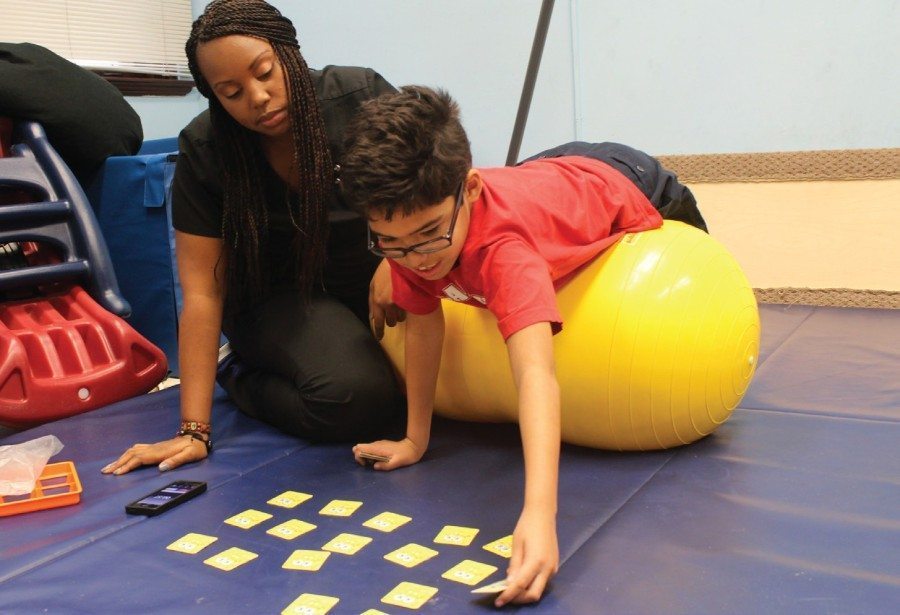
313	370
672	199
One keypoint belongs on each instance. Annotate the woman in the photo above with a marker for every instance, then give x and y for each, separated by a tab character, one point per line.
267	251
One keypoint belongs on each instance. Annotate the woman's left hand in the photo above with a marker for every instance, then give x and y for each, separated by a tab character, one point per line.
382	309
535	558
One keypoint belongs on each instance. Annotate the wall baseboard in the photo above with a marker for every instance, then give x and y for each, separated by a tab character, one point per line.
818	165
833	297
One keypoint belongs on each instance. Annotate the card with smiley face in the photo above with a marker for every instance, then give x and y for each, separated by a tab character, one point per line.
409	595
340	508
456	535
303	559
310	604
387	521
248	518
192	543
289	499
410	555
229	559
348	544
469	572
501	546
291	529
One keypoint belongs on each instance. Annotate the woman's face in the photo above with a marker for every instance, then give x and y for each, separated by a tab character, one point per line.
248	81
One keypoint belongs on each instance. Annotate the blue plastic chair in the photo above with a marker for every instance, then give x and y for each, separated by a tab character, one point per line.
61	218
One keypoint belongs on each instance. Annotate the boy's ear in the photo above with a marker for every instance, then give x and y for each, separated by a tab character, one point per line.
473	185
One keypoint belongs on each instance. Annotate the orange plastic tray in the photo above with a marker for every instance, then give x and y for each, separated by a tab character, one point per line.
57	486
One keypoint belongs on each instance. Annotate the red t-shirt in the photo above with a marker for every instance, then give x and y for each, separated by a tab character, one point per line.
531	227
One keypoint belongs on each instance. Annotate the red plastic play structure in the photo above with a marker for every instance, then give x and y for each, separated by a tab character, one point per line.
64	346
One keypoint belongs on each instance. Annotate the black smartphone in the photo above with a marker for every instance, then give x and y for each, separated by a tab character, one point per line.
168	497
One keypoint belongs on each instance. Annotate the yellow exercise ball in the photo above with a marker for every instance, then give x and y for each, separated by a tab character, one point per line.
660	341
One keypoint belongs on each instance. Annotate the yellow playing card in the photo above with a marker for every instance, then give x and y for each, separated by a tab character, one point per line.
469	572
501	546
229	559
373	612
305	560
340	508
456	535
387	522
290	529
411	555
348	544
409	595
310	604
289	499
248	518
191	543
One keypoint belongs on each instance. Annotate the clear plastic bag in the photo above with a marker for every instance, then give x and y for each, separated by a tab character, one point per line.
21	464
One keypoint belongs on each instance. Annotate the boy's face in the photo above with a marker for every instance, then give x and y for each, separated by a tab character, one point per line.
404	231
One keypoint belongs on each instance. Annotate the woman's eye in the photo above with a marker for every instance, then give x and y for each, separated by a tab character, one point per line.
232	95
265	71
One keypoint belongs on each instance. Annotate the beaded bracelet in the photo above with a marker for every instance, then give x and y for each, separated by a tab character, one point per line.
196	435
197	426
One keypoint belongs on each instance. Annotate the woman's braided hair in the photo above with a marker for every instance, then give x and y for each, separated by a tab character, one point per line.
245	219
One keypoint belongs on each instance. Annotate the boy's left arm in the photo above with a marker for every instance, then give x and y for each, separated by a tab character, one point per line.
535	556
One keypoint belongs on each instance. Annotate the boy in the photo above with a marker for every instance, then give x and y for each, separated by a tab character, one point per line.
504	239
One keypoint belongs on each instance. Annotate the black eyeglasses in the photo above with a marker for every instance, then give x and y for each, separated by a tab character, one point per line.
426	247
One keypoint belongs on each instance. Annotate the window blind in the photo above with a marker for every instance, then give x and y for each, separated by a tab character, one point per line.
124	36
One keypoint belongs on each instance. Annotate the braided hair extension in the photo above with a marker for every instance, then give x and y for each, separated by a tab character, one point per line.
245	220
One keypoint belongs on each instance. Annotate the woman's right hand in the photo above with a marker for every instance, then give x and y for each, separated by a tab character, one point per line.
169	454
401	453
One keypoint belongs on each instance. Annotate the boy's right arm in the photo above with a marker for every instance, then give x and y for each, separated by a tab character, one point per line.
424	342
200	263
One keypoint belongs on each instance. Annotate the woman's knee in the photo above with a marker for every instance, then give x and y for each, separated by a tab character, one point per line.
323	374
369	399
350	410
361	411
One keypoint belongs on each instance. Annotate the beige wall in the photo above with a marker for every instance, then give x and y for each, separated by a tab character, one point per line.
825	234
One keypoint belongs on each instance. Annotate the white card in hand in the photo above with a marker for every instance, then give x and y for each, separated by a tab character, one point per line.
493	588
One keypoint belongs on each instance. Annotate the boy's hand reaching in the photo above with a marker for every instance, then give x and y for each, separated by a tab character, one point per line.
535	558
401	453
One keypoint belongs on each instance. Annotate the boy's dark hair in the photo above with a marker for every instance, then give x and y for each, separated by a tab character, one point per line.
404	151
245	216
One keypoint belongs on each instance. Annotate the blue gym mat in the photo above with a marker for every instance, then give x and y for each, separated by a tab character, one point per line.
792	506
